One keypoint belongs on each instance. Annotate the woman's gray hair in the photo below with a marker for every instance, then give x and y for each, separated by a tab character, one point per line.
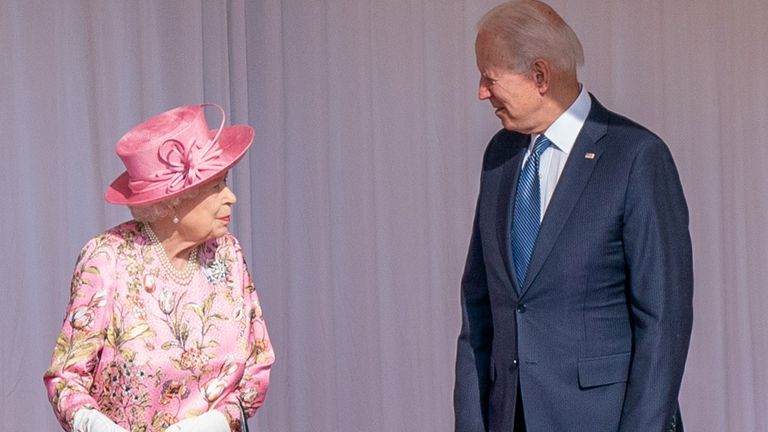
527	30
159	210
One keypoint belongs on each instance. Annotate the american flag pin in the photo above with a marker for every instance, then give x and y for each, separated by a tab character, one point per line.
589	155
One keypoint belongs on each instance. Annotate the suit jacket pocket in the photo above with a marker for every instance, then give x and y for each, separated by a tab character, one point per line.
597	371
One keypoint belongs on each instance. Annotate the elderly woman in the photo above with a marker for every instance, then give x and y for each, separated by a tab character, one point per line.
164	331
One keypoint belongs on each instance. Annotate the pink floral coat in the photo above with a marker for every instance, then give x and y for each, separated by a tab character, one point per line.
147	352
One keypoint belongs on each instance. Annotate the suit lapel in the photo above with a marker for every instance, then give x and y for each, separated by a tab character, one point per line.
576	173
506	202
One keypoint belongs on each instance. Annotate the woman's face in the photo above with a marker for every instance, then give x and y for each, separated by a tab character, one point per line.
207	215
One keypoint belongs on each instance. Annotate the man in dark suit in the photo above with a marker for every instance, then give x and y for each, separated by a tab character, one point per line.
577	292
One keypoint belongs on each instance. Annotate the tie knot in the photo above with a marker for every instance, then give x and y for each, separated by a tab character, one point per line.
541	144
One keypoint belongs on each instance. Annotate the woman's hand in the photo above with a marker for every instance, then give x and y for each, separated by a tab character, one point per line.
212	421
91	420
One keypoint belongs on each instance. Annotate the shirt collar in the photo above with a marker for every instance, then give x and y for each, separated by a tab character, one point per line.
563	132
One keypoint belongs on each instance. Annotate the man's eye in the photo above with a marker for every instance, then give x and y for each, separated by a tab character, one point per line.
487	81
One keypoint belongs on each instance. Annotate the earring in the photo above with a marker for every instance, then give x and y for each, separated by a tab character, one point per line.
175	219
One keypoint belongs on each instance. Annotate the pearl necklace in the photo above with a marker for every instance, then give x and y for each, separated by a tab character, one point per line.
180	277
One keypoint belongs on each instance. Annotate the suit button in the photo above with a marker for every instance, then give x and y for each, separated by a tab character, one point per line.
521	308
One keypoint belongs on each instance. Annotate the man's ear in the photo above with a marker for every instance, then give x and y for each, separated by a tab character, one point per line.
542	74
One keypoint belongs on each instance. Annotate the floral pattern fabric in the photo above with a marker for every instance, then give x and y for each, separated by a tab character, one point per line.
147	352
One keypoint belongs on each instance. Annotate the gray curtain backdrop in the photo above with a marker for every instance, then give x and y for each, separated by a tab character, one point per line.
356	200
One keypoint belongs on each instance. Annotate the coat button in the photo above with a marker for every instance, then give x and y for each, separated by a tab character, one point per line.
521	308
513	368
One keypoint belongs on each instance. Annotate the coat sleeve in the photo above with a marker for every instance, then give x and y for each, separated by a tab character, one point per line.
250	392
660	281
78	346
474	343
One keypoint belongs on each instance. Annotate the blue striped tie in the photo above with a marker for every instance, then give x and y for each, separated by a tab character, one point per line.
526	220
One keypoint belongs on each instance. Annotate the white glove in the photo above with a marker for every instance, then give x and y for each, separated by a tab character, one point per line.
212	421
91	420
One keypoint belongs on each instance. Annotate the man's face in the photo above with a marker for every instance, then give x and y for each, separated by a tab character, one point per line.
514	95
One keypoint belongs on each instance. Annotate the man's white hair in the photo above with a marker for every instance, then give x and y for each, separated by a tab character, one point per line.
527	30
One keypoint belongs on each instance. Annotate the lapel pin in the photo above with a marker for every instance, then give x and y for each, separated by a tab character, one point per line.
589	155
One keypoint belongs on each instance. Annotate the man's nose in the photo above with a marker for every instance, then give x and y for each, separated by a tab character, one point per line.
483	92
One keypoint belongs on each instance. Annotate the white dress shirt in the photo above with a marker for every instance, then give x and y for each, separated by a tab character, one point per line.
562	133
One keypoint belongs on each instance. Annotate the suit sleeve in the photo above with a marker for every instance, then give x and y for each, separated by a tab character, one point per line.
660	280
474	343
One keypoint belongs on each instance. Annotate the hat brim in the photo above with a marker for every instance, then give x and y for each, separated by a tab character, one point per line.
234	141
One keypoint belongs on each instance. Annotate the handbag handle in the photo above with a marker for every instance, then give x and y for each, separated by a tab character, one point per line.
243	420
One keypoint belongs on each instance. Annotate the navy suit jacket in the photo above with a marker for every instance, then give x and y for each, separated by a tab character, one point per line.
598	334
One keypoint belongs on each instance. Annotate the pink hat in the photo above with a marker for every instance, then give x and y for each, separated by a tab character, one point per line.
173	152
